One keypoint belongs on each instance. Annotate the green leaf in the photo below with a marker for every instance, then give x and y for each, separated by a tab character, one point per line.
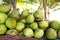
8	1
52	4
58	0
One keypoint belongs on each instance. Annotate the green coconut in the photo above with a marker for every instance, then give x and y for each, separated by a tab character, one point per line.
34	25
30	18
28	32
4	8
43	24
51	33
39	33
3	29
12	32
25	13
54	24
10	23
20	26
38	15
15	14
23	21
3	18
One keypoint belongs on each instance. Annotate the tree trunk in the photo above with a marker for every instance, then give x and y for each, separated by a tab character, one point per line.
14	5
44	6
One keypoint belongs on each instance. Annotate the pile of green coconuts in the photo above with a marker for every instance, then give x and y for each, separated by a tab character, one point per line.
27	24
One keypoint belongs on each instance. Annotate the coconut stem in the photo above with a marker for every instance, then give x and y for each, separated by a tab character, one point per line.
44	6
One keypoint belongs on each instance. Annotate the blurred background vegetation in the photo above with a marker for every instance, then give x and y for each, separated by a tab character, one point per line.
33	5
